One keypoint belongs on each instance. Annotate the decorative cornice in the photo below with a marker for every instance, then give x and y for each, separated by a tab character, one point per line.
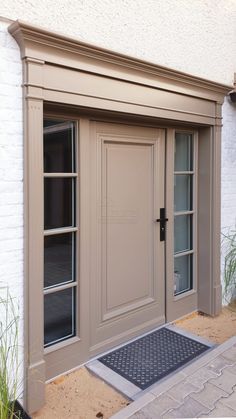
29	36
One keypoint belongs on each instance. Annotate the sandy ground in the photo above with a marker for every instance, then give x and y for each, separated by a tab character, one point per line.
80	395
216	329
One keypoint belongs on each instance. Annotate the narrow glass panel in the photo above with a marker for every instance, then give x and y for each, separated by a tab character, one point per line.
183	274
58	147
183	152
183	193
58	203
183	233
58	259
58	316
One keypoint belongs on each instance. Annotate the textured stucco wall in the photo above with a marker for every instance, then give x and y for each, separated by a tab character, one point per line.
195	36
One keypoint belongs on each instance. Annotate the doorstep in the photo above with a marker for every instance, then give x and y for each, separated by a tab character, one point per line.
204	388
129	389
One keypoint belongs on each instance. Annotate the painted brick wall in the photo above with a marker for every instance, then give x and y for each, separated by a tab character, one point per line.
11	172
228	182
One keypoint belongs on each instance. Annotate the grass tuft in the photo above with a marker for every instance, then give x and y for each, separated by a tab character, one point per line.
230	267
9	362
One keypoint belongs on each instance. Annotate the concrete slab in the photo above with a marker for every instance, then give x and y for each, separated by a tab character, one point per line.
115	380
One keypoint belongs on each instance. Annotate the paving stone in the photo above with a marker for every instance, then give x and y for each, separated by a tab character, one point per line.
230	354
135	407
209	395
225	381
189	409
230	401
158	407
161	387
200	377
182	390
231	369
141	415
218	364
221	411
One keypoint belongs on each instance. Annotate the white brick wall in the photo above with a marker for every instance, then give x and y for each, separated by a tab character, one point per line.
228	215
11	173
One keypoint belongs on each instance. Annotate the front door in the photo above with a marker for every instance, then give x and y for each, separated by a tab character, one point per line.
127	256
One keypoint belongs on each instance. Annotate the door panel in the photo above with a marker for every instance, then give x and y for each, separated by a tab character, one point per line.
127	281
127	228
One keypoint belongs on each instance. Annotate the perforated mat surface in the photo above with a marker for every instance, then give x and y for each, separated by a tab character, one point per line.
152	357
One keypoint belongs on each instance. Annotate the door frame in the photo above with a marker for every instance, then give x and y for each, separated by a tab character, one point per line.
62	70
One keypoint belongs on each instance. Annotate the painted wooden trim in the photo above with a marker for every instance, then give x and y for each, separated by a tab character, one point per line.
39	43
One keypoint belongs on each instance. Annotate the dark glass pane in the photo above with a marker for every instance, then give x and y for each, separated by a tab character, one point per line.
58	259
183	233
59	316
58	147
183	193
51	122
58	206
183	274
183	152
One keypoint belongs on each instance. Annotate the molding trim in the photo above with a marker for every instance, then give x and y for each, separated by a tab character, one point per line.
33	37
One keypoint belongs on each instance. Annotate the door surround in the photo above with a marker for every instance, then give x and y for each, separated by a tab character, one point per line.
61	70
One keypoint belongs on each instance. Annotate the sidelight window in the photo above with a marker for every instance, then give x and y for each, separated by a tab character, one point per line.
184	212
60	231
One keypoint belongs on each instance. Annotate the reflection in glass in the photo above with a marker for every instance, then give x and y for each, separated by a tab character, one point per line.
58	147
58	205
58	259
183	193
183	273
58	316
183	233
183	152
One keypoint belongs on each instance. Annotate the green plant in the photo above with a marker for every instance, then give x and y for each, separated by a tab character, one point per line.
9	363
230	266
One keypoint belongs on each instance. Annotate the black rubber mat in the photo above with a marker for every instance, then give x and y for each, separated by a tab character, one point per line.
152	357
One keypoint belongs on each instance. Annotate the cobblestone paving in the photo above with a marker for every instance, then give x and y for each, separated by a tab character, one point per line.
206	388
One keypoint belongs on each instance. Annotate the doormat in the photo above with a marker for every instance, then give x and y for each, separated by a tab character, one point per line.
152	357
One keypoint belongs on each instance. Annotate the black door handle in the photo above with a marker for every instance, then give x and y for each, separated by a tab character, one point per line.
162	220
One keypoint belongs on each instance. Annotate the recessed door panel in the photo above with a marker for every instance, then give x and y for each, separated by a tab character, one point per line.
127	228
127	275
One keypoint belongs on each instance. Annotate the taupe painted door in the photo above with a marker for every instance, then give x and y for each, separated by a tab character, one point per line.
127	257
